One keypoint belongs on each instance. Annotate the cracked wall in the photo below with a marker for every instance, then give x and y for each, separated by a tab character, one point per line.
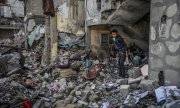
71	17
165	41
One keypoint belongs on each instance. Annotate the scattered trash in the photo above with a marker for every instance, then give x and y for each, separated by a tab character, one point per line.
165	92
79	77
63	61
106	105
133	99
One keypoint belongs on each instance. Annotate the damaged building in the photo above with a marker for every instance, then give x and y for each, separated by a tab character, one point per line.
61	54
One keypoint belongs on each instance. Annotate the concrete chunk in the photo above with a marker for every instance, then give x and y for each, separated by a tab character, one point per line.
124	90
122	81
134	72
148	85
137	80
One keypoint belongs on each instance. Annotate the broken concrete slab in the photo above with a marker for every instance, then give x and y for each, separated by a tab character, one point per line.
124	90
149	85
134	72
122	81
137	80
13	71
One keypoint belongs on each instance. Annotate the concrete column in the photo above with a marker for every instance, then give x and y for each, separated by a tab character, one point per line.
47	46
54	37
81	12
164	53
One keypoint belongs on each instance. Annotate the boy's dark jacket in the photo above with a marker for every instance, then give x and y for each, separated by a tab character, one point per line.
120	44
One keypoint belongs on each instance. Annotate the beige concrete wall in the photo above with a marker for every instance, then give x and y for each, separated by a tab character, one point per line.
35	7
96	33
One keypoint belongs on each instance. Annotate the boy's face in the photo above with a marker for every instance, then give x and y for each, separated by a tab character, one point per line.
114	34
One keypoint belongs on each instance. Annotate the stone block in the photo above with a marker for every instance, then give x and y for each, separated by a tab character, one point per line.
175	32
172	10
149	85
134	72
171	77
158	49
173	46
124	90
173	61
157	12
155	63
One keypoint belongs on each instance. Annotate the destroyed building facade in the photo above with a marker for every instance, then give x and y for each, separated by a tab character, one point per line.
11	14
80	71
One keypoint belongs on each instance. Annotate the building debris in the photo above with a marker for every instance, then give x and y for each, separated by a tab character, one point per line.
81	76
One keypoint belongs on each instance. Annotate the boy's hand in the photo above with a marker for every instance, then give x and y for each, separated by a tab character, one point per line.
126	54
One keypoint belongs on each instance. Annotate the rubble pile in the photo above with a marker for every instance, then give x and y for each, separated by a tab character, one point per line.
78	78
72	81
